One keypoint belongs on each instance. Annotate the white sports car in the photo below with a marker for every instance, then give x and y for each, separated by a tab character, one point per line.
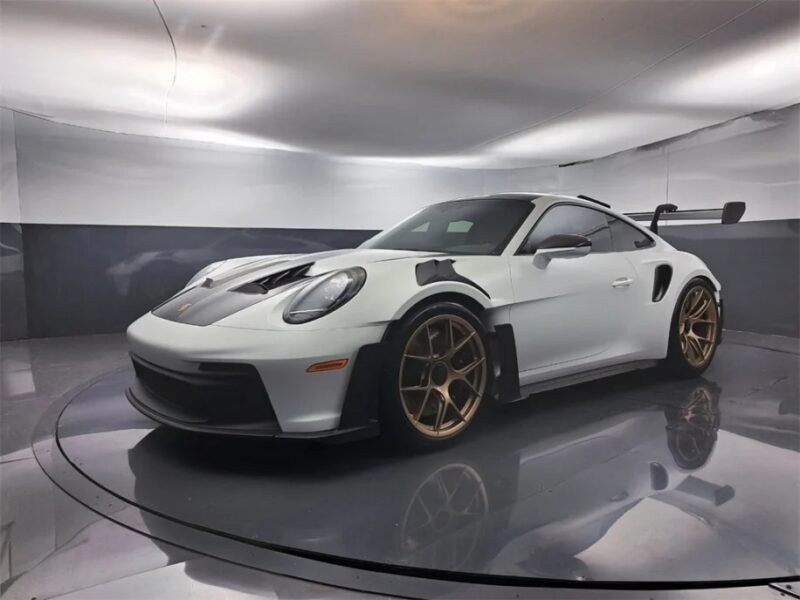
464	303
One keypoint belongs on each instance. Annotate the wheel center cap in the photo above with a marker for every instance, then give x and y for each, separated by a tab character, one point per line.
439	373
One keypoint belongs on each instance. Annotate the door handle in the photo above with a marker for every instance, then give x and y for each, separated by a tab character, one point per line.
621	282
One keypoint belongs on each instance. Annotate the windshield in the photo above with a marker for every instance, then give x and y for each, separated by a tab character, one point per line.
479	226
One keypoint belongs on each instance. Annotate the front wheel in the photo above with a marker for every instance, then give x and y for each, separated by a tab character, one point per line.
438	376
694	334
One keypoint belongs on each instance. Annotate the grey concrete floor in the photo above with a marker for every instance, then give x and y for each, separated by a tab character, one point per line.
542	469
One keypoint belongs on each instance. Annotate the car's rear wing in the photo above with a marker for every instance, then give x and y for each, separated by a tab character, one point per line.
730	213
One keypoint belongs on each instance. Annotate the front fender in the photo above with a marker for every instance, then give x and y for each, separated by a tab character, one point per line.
439	288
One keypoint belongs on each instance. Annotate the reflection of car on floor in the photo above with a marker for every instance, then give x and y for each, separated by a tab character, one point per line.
514	506
494	297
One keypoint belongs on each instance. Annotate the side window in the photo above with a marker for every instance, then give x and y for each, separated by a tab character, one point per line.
626	238
568	218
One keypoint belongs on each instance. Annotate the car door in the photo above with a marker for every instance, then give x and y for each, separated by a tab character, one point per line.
572	312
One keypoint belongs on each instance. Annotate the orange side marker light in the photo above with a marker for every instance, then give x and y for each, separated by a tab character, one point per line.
328	365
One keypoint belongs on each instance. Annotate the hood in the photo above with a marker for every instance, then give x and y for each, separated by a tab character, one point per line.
237	284
255	267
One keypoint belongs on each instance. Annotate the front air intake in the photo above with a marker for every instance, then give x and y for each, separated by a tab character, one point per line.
275	280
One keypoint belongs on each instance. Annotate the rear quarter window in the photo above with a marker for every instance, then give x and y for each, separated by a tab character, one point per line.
625	237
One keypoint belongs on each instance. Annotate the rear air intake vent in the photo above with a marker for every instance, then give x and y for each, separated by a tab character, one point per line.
276	280
661	282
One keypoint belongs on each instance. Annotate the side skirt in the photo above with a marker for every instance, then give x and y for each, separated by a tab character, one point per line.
567	380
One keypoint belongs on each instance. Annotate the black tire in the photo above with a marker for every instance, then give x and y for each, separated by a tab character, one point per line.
677	363
396	424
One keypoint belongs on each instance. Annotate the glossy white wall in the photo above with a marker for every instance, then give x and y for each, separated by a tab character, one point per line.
72	175
755	159
9	193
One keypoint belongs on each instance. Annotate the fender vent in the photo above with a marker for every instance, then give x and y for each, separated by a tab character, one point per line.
661	282
275	280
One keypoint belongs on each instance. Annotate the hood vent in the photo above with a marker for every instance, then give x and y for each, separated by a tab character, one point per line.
275	280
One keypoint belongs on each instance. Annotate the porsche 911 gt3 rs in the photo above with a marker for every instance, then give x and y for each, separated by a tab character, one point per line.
411	334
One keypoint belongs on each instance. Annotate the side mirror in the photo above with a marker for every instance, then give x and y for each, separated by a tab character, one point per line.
561	246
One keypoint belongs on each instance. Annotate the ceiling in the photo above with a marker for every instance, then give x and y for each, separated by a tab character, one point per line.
466	83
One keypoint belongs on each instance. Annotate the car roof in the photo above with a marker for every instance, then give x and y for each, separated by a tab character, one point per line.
510	196
546	196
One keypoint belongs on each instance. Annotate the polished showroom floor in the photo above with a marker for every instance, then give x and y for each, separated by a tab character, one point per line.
632	481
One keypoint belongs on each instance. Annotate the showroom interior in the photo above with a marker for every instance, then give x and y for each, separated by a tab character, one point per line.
143	140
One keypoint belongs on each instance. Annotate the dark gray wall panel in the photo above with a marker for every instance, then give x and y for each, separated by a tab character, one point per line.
85	279
758	264
13	315
82	279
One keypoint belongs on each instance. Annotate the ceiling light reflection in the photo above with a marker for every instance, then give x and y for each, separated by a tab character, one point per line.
458	161
221	85
754	76
592	135
211	135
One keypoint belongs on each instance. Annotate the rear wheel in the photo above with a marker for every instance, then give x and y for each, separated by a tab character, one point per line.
695	330
439	375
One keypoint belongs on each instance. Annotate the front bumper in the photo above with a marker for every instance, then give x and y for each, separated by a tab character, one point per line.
220	397
295	403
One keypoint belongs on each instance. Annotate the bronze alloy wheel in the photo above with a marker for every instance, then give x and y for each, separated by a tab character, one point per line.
443	375
697	326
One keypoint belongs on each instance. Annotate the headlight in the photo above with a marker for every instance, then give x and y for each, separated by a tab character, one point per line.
205	271
325	295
